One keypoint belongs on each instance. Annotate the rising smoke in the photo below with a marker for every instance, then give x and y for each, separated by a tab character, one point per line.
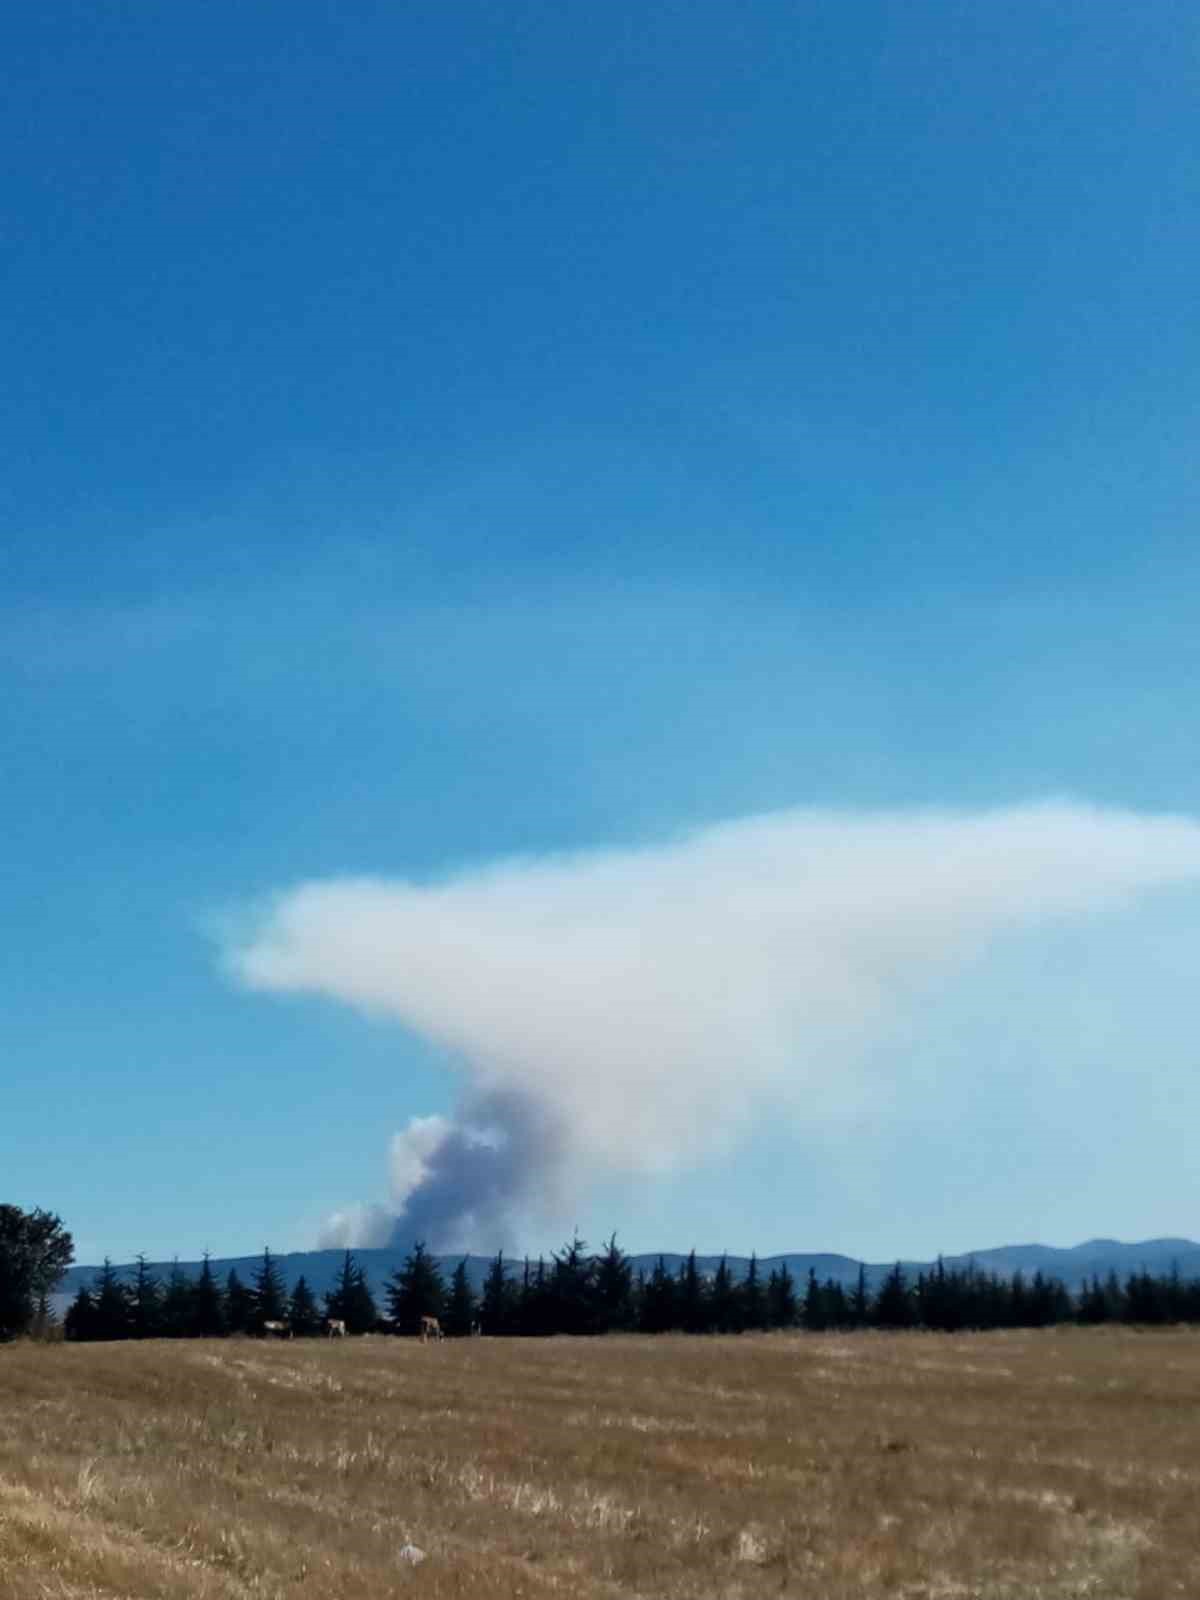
631	1011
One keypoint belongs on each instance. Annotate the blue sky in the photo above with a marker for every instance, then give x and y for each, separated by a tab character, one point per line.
442	435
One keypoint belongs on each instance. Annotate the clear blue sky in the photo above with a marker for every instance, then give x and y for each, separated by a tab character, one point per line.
434	434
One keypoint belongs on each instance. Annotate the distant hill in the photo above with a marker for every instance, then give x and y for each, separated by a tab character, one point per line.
1072	1265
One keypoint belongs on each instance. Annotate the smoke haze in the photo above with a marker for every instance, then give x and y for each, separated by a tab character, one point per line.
630	1012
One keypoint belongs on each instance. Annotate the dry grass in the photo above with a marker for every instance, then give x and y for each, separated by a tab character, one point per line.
1021	1465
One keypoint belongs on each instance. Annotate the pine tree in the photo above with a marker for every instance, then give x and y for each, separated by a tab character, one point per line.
573	1289
754	1314
893	1307
80	1320
416	1291
781	1297
813	1314
270	1292
460	1304
613	1289
239	1304
723	1300
112	1314
693	1310
208	1308
176	1315
303	1315
860	1300
497	1306
351	1301
145	1303
659	1309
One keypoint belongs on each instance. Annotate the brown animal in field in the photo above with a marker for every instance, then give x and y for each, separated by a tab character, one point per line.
277	1330
431	1328
335	1328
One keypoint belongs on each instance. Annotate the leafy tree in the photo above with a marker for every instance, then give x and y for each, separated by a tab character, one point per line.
239	1304
145	1303
208	1309
35	1251
497	1307
460	1304
112	1319
416	1291
270	1291
303	1313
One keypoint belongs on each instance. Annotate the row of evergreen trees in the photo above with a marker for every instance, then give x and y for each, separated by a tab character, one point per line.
580	1293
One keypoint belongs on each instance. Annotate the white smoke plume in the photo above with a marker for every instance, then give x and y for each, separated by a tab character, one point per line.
630	1011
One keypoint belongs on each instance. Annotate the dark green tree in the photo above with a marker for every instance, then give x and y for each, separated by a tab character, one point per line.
112	1319
781	1297
35	1251
814	1314
754	1312
893	1305
80	1320
416	1291
270	1292
145	1302
723	1300
659	1311
176	1319
860	1300
613	1289
239	1304
351	1301
573	1285
497	1306
461	1307
692	1302
208	1319
303	1312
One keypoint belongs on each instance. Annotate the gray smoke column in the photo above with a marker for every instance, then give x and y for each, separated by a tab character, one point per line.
632	1011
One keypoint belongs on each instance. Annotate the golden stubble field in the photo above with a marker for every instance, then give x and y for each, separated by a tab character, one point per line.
1018	1465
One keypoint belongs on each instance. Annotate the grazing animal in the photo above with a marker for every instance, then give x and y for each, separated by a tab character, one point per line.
477	1329
335	1328
277	1330
431	1328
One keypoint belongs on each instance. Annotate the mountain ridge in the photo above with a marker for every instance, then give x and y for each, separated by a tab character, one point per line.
1071	1264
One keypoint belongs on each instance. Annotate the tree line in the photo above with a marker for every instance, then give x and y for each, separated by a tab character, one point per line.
577	1292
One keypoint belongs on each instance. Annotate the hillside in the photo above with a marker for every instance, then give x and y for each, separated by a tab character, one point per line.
1095	1257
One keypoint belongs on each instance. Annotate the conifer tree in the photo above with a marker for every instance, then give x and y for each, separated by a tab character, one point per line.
497	1304
613	1289
239	1304
80	1320
754	1314
893	1307
693	1309
145	1303
176	1314
351	1301
270	1292
781	1297
813	1314
860	1300
303	1315
723	1300
416	1291
208	1308
659	1311
573	1289
112	1316
460	1303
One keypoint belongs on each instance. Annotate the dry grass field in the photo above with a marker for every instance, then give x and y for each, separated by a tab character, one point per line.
1020	1465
